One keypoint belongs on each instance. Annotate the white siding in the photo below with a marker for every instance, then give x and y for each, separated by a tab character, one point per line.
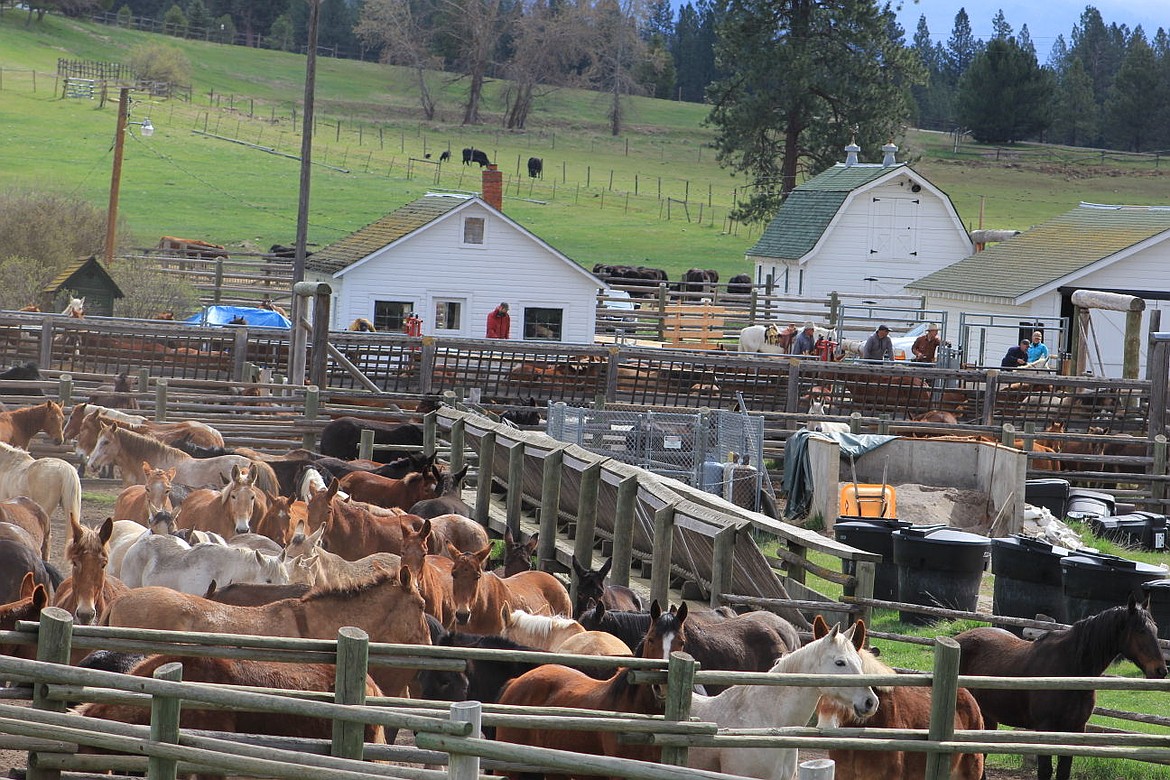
433	263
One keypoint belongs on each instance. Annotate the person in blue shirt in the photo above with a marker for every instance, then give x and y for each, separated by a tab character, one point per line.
1017	356
1037	351
805	341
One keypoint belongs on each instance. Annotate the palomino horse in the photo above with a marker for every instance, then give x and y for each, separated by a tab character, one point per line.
333	571
552	685
31	598
50	482
899	707
545	632
230	510
388	607
391	493
88	590
480	595
1084	650
768	706
28	515
362	325
591	585
19	426
135	501
127	450
225	671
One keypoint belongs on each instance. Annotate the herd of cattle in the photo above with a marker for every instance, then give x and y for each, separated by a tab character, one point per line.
478	156
695	280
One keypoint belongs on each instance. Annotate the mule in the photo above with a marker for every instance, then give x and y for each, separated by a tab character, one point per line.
251	594
121	397
193	569
281	518
480	595
19	426
517	555
482	679
49	482
88	590
17	560
899	707
354	529
449	501
230	510
552	685
135	501
591	585
388	607
1086	649
26	514
832	651
433	573
332	570
25	603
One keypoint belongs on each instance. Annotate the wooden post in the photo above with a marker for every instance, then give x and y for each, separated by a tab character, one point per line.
240	364
319	341
792	395
680	684
990	390
1007	435
515	498
1131	362
550	507
623	531
661	557
426	368
46	345
312	403
160	399
217	293
462	766
817	769
942	705
353	657
883	428
613	358
65	389
430	433
865	572
483	488
586	521
164	723
54	643
458	442
721	564
661	310
855	422
366	445
1158	488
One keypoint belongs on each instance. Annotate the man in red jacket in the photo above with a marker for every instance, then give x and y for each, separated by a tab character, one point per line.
499	324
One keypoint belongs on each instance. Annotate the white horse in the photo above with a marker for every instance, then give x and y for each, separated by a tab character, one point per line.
763	338
49	482
770	706
167	561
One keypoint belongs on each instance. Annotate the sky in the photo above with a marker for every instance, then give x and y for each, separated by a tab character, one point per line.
1046	19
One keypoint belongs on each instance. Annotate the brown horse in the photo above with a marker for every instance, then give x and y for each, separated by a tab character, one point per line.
385	492
28	605
281	517
433	572
354	529
480	595
1084	650
121	397
552	685
228	511
230	671
899	707
19	426
88	590
135	501
90	419
388	607
28	515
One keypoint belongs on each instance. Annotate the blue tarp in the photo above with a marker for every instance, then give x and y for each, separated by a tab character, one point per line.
222	315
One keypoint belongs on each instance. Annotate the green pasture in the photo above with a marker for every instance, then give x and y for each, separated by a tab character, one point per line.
913	656
653	195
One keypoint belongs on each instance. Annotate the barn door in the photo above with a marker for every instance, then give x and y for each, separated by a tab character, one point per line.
893	228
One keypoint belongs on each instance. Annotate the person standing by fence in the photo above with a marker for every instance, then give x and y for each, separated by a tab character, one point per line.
878	346
499	323
926	346
1038	351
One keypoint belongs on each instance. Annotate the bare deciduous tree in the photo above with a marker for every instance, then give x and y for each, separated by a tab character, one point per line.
616	50
402	30
546	43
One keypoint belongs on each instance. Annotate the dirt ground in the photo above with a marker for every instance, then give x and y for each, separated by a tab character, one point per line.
98	502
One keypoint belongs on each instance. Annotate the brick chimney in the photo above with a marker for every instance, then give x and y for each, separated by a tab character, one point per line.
493	187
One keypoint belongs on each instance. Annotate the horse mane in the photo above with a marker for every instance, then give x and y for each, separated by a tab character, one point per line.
349	589
143	442
539	626
1094	638
11	452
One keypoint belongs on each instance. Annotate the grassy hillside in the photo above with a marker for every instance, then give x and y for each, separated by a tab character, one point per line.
653	195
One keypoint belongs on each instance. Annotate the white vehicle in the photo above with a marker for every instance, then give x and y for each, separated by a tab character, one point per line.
903	345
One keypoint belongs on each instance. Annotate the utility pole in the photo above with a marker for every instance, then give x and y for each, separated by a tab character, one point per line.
116	177
299	320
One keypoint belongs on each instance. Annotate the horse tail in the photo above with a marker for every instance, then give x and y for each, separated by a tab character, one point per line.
71	493
266	478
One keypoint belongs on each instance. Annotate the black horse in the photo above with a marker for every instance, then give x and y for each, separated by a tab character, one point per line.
591	587
26	372
340	438
449	502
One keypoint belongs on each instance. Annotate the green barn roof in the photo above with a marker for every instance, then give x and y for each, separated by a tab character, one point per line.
807	211
369	239
1051	251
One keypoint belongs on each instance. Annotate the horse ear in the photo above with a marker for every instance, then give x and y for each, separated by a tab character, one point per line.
532	542
27	585
235	473
412	477
106	531
210	590
577	568
1146	602
40	597
483	555
655	610
605	568
146	468
508	536
1132	604
425	530
506	614
405	578
682	613
75	526
453	551
856	633
170	473
820	627
334	486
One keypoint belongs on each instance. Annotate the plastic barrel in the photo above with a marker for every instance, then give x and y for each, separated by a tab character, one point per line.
875	535
1089	503
1094	582
1136	529
1159	594
939	567
1027	578
1049	493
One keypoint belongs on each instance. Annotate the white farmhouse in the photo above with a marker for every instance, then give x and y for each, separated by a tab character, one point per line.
1031	278
859	227
451	259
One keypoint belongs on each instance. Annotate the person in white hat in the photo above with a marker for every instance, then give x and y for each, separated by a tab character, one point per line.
805	341
926	346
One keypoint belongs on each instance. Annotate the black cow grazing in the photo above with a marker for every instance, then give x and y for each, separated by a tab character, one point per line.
467	150
445	156
628	275
697	280
480	157
740	284
535	168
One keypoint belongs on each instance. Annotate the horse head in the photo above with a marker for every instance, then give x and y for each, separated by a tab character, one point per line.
466	574
1139	640
88	553
837	653
76	308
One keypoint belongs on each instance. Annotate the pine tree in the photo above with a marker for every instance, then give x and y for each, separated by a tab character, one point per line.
1074	117
1129	122
1005	95
961	49
1001	30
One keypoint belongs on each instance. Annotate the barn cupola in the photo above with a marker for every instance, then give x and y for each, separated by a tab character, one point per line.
493	187
851	153
888	152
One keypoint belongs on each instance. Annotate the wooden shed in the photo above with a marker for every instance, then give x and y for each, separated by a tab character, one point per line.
84	278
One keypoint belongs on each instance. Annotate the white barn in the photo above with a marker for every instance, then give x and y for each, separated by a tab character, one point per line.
451	259
859	227
1122	249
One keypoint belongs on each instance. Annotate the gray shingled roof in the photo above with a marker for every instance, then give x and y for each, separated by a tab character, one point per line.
1050	251
805	215
369	239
